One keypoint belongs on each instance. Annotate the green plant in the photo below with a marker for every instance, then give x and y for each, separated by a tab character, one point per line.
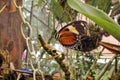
98	16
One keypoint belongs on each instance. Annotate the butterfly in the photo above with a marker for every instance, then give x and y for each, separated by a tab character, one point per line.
76	35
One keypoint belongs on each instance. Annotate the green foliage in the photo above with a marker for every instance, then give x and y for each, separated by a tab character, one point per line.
58	11
39	3
98	16
104	5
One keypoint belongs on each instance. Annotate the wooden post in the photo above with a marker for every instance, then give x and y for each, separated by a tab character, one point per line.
11	38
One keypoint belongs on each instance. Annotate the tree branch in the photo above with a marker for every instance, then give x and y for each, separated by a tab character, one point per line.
51	51
31	12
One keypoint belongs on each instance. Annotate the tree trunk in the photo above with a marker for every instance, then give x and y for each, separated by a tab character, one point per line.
10	34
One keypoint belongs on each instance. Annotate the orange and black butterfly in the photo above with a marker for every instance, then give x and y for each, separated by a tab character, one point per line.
76	35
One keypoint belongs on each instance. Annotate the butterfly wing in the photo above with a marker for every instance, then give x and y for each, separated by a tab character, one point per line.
77	27
68	35
68	39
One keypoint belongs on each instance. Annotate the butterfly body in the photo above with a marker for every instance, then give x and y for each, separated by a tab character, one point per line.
75	36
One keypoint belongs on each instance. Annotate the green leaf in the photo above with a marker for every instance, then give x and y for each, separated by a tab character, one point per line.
98	16
39	3
58	11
